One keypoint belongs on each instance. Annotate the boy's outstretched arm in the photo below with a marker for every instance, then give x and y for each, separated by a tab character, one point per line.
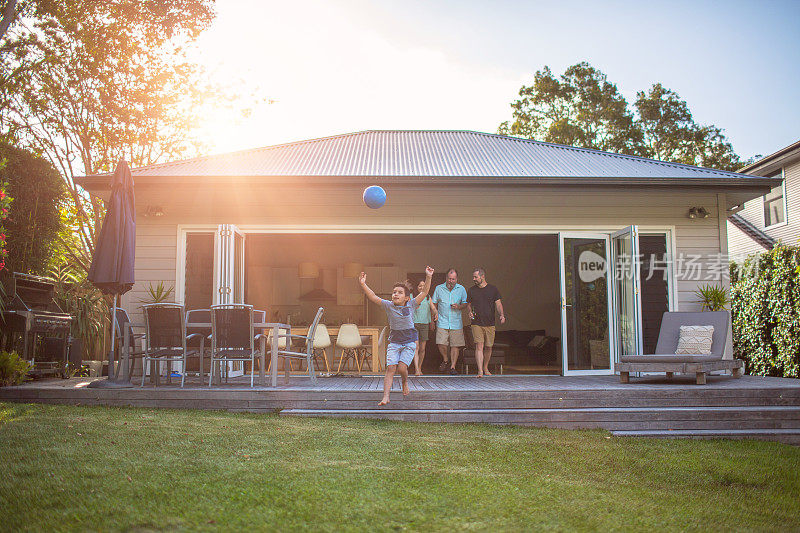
428	275
362	279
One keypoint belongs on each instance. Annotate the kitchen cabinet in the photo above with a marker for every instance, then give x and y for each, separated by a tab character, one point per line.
348	290
381	279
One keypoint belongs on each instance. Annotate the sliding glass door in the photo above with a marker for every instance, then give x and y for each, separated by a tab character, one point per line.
601	309
587	337
627	291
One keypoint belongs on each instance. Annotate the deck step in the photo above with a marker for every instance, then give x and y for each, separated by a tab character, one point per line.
618	419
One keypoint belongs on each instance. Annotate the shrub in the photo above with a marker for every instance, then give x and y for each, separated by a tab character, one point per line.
89	310
13	369
35	222
765	300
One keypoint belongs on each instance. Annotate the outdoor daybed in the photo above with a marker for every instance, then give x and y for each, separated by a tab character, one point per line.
665	358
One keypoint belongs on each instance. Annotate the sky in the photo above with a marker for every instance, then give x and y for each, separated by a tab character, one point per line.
317	68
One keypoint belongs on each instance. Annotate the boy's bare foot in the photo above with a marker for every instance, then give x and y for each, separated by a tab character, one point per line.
384	401
480	375
405	388
417	374
486	371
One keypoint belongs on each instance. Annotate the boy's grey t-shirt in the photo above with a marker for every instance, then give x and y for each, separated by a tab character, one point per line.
401	321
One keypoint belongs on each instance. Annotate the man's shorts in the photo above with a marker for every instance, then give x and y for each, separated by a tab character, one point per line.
400	353
453	337
423	330
483	335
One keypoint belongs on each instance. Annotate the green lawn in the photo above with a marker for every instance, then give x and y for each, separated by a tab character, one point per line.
82	468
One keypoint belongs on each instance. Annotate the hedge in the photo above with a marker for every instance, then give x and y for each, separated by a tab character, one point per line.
765	308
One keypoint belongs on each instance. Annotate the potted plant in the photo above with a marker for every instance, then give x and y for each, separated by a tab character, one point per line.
712	297
158	294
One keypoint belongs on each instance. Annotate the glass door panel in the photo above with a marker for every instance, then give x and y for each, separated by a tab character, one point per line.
627	298
198	277
228	265
229	274
238	266
585	303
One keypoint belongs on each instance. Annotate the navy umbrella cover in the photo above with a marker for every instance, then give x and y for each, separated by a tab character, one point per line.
112	265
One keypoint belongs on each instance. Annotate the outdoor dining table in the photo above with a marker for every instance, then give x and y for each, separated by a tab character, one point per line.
276	328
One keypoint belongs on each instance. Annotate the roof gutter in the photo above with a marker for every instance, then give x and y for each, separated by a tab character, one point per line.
102	182
771	158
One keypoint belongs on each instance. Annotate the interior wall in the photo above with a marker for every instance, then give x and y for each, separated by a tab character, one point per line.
523	267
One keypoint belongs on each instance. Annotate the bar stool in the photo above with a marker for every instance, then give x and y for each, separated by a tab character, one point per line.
349	340
322	341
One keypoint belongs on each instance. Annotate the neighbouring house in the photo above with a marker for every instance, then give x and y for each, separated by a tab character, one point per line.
763	221
587	248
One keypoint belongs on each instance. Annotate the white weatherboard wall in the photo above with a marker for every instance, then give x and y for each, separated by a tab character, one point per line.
420	208
741	245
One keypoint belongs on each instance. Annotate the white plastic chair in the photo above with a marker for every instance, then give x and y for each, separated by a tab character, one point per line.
349	340
322	341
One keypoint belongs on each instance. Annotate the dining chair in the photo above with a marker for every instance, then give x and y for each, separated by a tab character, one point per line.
322	341
281	346
382	339
232	337
122	327
203	343
349	340
165	327
308	340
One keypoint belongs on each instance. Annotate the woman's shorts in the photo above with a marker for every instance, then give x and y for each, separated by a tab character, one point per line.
423	330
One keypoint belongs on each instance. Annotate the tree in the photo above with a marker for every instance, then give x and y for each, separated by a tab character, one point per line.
671	134
666	123
8	12
582	108
35	223
102	81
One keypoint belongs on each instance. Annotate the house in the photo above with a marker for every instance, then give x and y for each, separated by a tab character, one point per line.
587	248
761	222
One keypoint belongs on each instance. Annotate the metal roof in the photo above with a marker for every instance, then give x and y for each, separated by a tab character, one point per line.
430	154
766	161
749	229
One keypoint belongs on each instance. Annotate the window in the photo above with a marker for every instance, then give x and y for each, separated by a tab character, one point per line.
775	203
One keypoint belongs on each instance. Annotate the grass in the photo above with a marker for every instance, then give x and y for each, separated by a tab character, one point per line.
79	468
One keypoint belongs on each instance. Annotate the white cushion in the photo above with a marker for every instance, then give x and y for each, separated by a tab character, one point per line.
537	341
695	340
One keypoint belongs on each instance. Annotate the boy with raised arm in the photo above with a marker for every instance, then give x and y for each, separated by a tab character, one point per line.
402	333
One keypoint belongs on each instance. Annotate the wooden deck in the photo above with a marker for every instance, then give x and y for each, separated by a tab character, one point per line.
751	407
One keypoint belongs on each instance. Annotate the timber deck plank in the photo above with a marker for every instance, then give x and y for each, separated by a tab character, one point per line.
751	406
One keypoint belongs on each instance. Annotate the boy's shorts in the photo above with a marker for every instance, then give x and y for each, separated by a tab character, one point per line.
483	335
400	353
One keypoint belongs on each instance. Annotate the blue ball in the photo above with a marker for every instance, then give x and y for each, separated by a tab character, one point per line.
374	197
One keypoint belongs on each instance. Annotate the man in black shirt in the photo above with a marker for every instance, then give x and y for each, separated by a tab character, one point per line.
483	299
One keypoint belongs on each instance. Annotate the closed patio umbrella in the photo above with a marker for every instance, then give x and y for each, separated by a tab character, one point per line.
112	265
